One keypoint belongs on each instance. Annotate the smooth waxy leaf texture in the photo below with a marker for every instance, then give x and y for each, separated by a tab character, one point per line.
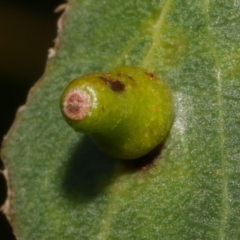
65	188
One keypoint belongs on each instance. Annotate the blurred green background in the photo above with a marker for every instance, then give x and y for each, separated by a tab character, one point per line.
27	30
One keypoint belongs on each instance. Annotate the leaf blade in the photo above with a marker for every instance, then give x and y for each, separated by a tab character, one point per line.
191	192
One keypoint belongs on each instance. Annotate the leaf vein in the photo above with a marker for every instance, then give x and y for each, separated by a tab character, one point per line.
225	205
156	31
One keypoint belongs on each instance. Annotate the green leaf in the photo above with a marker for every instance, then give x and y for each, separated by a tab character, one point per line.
63	187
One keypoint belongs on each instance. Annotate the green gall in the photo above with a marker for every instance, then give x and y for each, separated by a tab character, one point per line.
127	111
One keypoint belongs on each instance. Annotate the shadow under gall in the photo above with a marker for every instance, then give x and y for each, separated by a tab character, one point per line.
142	163
89	171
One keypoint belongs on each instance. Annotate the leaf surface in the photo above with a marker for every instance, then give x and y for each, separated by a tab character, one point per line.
65	188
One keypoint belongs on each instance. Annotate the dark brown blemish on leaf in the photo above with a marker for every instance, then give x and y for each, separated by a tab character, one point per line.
115	84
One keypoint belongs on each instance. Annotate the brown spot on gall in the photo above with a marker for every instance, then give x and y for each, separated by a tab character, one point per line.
130	77
115	84
76	104
151	75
